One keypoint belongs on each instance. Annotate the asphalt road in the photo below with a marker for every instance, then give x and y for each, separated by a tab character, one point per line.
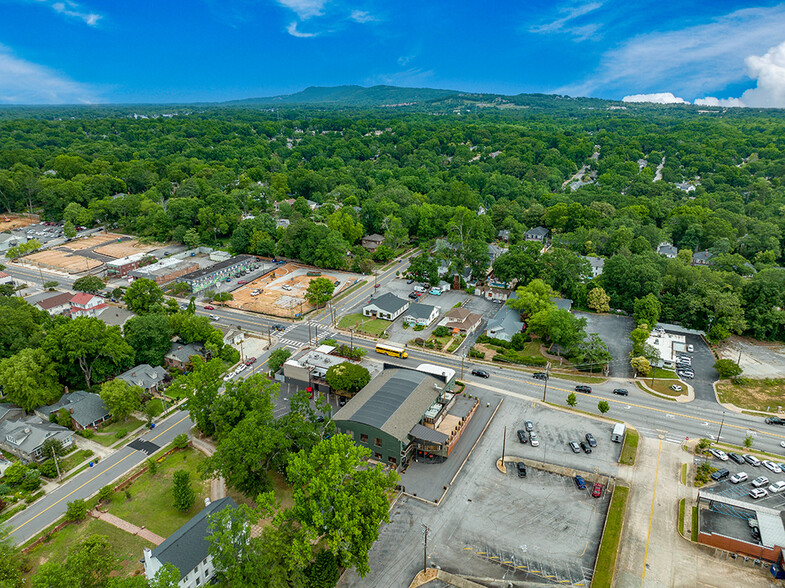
33	276
37	517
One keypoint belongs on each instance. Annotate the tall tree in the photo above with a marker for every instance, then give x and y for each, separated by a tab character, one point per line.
201	387
121	398
91	284
150	335
29	379
182	491
319	291
144	296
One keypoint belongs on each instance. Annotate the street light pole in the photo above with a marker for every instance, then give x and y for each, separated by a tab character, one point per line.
426	530
462	358
719	434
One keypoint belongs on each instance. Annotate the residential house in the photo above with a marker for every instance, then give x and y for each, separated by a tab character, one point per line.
372	242
24	437
504	235
536	234
10	411
701	258
493	293
87	410
495	251
443	269
114	316
179	356
597	265
387	306
52	302
667	250
146	377
505	324
6	279
231	336
187	549
462	320
421	314
84	304
282	223
562	303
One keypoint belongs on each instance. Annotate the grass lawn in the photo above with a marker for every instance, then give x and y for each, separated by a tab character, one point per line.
694	534
663	374
364	324
684	474
605	567
630	449
126	547
106	435
681	516
348	291
151	496
664	387
577	378
764	395
74	459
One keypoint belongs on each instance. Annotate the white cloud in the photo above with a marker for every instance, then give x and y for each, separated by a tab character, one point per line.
657	98
292	30
693	61
304	9
24	82
361	16
73	10
712	101
563	24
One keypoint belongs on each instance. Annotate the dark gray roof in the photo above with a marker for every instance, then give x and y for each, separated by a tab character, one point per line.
231	262
30	433
538	231
188	545
702	256
419	311
183	352
85	407
393	402
562	303
426	434
388	302
144	376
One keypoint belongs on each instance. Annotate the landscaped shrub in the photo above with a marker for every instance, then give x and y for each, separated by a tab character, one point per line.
476	354
48	468
86	433
441	331
121	433
419	327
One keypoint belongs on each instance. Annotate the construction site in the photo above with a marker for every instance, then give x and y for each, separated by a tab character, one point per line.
9	222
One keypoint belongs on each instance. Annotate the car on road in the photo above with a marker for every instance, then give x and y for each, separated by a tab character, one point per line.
719	454
521	467
591	440
250	361
583	388
410	281
575	447
771	466
533	439
228	279
240	368
621	391
540	376
690	348
580	482
597	490
337	283
585	447
528	425
739	477
278	327
775	421
751	459
777	487
522	437
480	373
758	493
208	307
214	317
760	481
737	458
242	282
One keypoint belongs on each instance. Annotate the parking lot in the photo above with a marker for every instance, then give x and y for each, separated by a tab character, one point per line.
741	490
703	366
615	331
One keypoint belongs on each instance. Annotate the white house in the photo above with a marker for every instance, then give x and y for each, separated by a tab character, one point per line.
668	250
6	279
84	304
597	265
187	549
421	314
387	306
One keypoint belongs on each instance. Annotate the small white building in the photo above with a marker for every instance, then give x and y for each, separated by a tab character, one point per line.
84	304
668	345
421	314
387	306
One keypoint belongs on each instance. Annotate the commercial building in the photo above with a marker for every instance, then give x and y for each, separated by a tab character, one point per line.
668	345
206	278
123	266
462	320
387	306
166	270
421	314
311	368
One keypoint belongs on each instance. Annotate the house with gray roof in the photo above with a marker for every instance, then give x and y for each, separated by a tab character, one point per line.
504	235
597	265
562	303
187	549
146	377
495	251
536	234
387	306
505	324
114	316
179	356
667	250
10	411
421	314
701	258
372	242
87	410
25	437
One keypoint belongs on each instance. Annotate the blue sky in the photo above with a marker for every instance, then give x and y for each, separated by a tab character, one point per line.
61	51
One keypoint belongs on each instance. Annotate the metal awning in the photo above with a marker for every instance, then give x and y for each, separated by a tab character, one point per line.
424	433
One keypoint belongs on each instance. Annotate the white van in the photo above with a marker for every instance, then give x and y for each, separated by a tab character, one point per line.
739	477
420	289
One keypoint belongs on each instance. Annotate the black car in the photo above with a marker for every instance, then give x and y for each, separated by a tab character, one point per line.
410	281
522	436
540	376
279	327
341	401
737	458
621	392
585	447
413	295
774	421
521	469
583	388
591	440
755	533
480	373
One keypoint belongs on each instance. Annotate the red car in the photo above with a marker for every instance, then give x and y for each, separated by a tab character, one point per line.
250	361
208	307
597	491
241	282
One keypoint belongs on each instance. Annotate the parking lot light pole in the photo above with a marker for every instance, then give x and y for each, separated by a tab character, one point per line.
722	422
426	530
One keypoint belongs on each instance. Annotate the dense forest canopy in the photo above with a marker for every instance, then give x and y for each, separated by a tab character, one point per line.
460	168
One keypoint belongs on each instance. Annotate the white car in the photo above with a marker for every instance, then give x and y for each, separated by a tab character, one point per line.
777	487
534	440
782	443
213	317
241	368
760	481
676	388
738	477
286	287
719	454
758	493
771	466
690	348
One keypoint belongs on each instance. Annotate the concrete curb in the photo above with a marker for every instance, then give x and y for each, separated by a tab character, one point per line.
689	397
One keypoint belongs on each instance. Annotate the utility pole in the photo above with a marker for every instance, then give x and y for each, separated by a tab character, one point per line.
57	466
504	443
547	376
719	434
426	530
351	340
462	358
309	334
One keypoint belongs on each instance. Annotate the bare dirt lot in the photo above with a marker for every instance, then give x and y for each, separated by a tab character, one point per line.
126	248
274	299
758	359
61	260
91	241
13	222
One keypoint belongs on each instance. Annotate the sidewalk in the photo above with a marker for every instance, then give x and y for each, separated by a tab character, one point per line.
217	485
128	527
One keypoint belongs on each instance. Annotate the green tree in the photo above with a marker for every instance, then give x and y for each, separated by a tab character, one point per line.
183	492
319	291
603	406
52	447
166	577
121	398
347	376
324	571
647	310
15	474
10	562
277	359
152	466
21	325
29	379
572	399
748	441
640	365
150	336
201	387
223	297
69	230
598	300
90	284
727	368
533	298
76	511
181	441
144	296
105	493
191	238
89	564
559	326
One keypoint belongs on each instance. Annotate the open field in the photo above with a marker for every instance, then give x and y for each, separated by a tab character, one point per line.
767	395
93	240
13	222
62	260
364	324
274	299
126	248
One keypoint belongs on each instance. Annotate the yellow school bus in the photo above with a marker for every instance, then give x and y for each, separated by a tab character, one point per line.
391	350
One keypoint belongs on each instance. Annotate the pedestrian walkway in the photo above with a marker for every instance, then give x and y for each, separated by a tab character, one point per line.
217	485
128	527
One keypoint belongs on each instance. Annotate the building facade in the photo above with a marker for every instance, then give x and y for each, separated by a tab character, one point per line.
206	278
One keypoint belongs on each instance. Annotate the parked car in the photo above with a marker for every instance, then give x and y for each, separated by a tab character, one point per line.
533	439
583	388
771	466
580	482
522	437
676	388
242	282
250	361
751	459
540	376
208	307
410	281
591	440
256	292
690	348
777	487
436	291
597	491
720	474
575	447
480	373
719	454
341	401
414	295
737	458
760	481
738	477
758	493
621	392
521	469
528	425
286	287
585	447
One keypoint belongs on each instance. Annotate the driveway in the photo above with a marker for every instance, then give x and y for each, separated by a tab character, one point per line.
615	331
703	366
